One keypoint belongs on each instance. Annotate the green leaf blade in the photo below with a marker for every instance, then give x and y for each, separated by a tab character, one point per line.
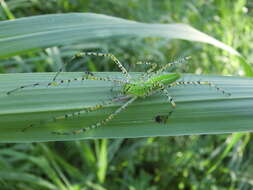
35	32
200	109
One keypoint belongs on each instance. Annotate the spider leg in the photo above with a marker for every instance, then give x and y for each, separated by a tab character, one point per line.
111	56
169	98
22	87
177	83
73	114
153	66
160	87
166	66
87	76
100	123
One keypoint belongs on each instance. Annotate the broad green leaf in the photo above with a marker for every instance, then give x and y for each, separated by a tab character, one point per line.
43	31
200	109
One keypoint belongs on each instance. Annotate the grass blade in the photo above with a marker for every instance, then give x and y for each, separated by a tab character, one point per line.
200	110
34	32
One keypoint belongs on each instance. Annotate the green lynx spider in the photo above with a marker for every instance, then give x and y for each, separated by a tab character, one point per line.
149	83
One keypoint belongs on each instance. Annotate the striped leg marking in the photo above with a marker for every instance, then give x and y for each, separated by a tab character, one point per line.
161	87
166	66
102	122
53	83
170	99
111	56
22	87
88	76
72	115
166	93
153	66
200	83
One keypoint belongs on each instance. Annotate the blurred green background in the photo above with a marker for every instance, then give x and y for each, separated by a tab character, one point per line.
186	162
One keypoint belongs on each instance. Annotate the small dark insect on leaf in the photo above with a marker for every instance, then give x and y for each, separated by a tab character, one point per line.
162	118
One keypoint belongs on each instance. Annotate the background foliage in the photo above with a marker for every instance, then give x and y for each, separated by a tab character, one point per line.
186	162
